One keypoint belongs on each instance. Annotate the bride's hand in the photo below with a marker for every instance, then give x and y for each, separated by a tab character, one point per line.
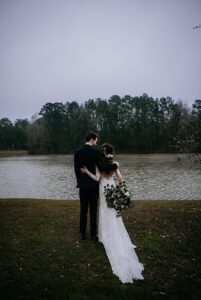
84	170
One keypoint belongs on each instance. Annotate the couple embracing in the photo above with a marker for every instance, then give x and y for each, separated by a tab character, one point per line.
94	171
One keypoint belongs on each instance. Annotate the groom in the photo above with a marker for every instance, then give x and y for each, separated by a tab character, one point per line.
88	156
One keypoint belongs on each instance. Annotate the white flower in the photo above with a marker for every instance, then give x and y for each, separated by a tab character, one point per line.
109	155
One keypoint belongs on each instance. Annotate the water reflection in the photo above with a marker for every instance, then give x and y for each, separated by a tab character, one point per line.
158	176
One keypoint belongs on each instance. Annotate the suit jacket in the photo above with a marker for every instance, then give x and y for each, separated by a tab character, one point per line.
90	157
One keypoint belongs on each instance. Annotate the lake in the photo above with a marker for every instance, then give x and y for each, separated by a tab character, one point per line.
148	176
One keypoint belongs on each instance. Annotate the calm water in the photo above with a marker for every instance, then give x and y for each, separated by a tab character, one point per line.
158	176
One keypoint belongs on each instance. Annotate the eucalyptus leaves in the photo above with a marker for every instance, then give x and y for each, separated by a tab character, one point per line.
117	197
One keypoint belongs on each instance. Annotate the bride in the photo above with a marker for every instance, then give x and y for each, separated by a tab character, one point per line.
111	230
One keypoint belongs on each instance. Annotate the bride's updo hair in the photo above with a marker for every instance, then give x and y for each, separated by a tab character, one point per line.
107	152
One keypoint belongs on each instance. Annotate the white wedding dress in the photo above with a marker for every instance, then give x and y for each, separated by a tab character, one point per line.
112	233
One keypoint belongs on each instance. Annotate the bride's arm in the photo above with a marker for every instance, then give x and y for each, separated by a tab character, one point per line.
119	176
94	177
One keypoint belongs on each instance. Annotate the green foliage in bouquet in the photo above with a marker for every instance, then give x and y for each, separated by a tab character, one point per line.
117	197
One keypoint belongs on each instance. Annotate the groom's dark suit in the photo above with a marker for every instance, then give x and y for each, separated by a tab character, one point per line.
90	157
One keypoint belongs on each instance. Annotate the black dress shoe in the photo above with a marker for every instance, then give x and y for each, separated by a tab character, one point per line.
83	236
94	238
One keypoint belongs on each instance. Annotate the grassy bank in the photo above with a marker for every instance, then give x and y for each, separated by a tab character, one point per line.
43	258
13	153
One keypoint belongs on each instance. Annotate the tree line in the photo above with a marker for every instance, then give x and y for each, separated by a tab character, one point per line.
139	124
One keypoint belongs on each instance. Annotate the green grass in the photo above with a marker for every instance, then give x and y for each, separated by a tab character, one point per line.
42	256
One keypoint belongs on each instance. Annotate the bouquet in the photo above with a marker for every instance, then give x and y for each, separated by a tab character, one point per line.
117	197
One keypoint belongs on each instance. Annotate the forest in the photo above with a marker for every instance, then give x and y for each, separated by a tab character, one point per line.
138	124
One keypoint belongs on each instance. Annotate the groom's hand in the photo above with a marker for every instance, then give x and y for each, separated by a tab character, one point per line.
116	163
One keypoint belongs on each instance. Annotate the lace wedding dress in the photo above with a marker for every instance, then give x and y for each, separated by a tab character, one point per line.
113	234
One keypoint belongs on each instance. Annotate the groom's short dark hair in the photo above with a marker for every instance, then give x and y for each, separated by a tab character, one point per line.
90	135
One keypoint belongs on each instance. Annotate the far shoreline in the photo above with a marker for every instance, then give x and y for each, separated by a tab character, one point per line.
7	153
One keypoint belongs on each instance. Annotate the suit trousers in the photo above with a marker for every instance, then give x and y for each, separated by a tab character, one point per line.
88	197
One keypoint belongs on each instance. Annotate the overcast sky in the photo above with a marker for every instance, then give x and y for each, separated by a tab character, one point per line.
75	50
